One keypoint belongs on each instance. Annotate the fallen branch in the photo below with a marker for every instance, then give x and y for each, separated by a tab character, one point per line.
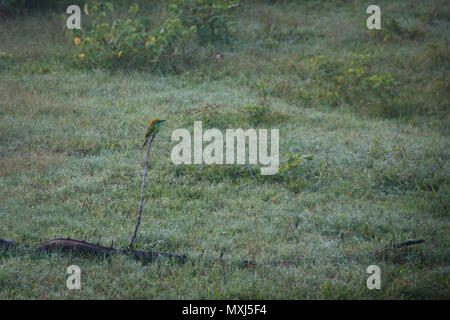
407	243
83	246
5	244
401	245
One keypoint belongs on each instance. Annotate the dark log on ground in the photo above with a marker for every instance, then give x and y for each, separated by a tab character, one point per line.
76	245
6	244
407	243
402	244
83	246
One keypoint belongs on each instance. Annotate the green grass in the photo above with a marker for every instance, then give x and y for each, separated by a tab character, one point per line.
71	161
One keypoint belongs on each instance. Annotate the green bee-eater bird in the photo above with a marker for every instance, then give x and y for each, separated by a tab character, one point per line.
153	129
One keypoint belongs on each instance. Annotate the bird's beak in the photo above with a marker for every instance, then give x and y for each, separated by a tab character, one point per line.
162	121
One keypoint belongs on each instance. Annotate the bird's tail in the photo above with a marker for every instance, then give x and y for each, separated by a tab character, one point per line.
145	142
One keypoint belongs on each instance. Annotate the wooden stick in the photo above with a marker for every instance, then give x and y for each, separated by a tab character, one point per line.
138	222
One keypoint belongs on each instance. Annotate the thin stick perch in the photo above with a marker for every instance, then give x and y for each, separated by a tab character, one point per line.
138	222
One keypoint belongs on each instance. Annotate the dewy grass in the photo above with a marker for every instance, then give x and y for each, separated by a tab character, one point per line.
71	160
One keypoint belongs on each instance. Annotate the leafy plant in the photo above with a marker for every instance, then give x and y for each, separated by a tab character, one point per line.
392	30
212	19
256	113
295	169
351	80
128	42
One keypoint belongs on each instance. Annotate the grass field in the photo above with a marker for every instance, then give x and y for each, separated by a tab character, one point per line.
71	160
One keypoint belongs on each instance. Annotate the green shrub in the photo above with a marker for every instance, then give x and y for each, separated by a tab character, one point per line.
438	55
256	113
352	80
392	30
129	42
211	18
296	171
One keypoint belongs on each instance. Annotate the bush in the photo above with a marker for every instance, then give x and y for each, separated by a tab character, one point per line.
211	18
256	113
129	42
392	30
352	80
296	167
